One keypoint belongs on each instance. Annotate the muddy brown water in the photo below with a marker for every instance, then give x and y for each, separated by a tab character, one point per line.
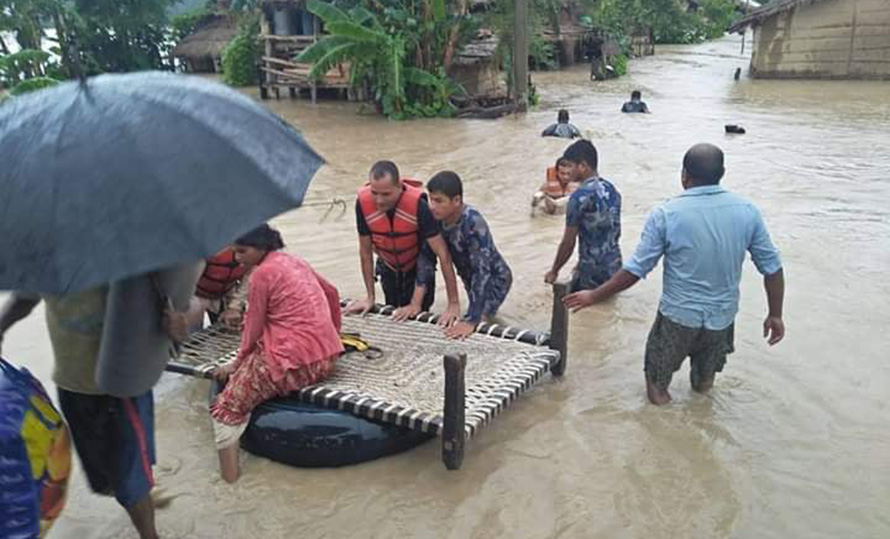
794	441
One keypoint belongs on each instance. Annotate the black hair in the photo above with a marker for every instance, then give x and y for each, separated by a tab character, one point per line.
636	94
446	182
263	237
703	163
385	168
562	161
562	116
582	151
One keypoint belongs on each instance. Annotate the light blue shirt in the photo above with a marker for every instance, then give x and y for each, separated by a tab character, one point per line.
703	235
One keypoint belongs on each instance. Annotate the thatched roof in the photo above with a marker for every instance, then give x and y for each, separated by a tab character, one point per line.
757	16
209	39
481	48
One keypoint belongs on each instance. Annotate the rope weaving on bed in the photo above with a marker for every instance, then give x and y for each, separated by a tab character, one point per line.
405	385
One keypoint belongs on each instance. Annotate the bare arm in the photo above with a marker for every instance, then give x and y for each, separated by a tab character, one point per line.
366	252
774	326
437	244
563	253
621	281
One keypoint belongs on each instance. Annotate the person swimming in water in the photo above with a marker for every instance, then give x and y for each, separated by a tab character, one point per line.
556	188
562	128
636	104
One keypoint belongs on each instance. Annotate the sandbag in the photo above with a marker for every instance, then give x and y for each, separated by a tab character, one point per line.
135	349
35	455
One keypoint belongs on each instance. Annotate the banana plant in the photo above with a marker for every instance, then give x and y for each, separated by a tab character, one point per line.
375	53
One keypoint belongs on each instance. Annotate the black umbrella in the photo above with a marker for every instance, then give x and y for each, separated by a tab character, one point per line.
125	174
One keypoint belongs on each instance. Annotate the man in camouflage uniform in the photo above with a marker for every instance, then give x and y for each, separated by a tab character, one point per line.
593	216
487	277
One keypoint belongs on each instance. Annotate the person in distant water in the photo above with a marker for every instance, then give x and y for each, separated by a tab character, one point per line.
290	339
394	221
562	127
703	235
113	436
486	276
557	188
636	104
593	215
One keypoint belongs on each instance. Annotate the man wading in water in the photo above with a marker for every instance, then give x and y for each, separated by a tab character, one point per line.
702	234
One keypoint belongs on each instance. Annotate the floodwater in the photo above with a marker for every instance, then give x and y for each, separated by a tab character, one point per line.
794	441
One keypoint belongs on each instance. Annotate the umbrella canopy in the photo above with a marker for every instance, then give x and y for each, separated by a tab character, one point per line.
125	174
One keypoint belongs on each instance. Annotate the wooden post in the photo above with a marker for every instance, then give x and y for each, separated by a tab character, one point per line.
265	30
260	77
559	328
454	427
520	52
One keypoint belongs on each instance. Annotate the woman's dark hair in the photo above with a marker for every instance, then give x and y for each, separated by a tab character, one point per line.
263	237
446	182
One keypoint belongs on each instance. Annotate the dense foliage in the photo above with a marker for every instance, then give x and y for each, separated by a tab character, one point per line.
400	52
239	58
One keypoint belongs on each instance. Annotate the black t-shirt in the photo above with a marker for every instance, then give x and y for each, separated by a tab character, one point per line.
427	224
635	106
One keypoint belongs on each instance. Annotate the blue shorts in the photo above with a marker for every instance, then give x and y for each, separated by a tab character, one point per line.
114	438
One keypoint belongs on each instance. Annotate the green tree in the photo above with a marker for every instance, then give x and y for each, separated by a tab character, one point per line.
239	58
185	23
376	47
122	35
670	21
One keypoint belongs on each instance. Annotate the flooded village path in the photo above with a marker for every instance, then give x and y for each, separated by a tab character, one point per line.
793	442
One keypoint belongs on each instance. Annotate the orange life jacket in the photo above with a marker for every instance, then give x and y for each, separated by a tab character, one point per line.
220	275
396	241
553	188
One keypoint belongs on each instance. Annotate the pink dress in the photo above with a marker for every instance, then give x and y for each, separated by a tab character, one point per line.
290	338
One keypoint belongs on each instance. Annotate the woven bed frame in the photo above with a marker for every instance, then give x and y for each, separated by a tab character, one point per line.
408	389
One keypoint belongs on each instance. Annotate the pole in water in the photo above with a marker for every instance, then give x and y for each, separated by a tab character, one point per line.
520	52
454	420
559	328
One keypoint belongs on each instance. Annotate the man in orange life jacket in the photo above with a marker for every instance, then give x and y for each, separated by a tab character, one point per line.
214	293
394	221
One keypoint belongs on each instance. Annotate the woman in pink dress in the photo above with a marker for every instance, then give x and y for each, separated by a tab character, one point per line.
290	338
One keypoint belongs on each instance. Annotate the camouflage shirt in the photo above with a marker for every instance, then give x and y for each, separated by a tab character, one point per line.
595	209
484	272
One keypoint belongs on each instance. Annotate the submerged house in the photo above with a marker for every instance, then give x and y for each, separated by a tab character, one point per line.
286	30
201	51
642	42
821	39
476	69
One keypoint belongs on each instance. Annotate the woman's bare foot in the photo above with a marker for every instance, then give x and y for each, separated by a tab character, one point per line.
228	463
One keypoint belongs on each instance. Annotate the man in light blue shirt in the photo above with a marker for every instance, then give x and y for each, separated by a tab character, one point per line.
703	235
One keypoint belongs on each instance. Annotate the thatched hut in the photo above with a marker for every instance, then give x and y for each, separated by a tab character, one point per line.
821	39
475	67
201	51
